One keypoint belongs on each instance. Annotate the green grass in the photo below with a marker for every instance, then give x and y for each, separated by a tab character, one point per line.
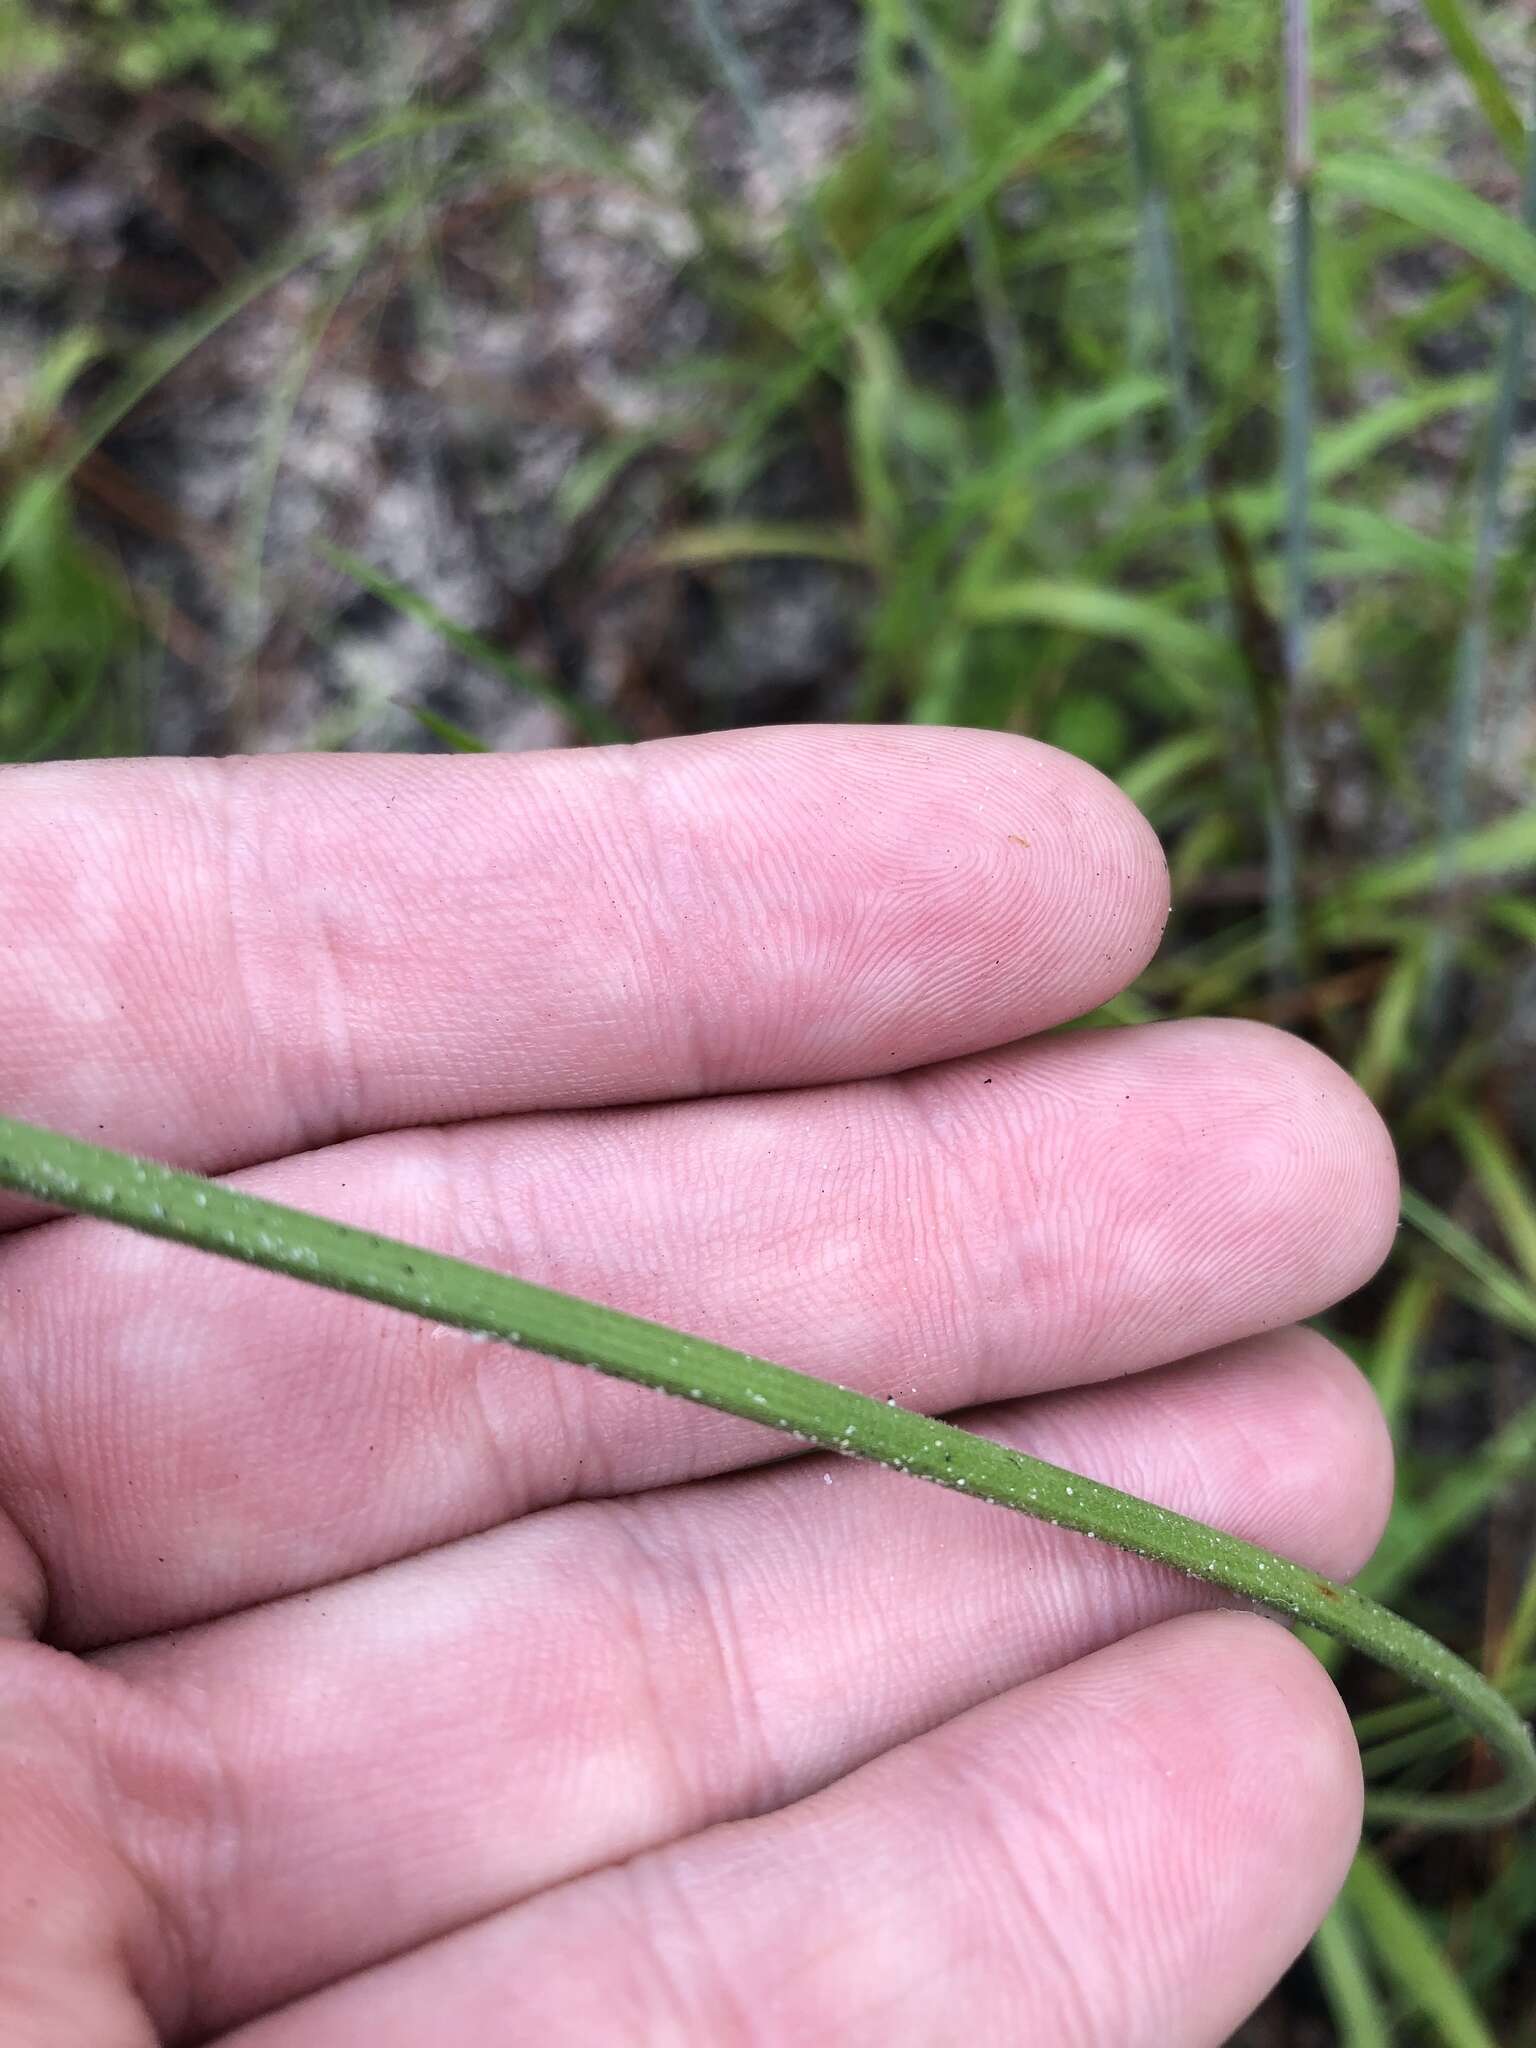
1277	611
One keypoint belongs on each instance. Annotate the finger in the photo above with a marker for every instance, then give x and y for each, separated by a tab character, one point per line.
610	1678
1125	1854
182	1437
82	1945
226	962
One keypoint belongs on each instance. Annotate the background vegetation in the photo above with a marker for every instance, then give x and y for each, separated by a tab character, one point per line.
506	374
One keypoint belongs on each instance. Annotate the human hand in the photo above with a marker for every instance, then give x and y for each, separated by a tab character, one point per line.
404	1689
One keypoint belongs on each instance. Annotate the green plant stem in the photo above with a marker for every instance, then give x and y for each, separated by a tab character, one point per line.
1469	678
588	719
1461	40
1433	1739
1163	267
1357	2006
1005	341
1296	328
155	363
197	1212
1406	1949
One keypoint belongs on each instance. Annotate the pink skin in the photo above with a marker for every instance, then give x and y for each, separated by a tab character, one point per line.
392	1688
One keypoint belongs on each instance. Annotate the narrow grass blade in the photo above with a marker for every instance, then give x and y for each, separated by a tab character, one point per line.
1465	1493
845	290
208	1216
1360	2016
1513	914
1409	1954
1296	343
1384	1052
892	264
244	623
1403	1717
1503	1181
1520	1637
1480	72
984	493
1338	451
1397	1347
1069	424
586	718
135	385
1436	204
999	323
1496	1288
1506	847
1467	686
1161	249
1188	656
1210	843
1158	772
695	547
878	386
444	729
1435	1736
1375	544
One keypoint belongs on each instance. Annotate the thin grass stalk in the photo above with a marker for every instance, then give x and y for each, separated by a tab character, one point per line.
1461	41
1520	1636
1272	671
244	629
1141	356
1470	672
1427	1742
591	720
1000	327
190	1210
156	362
1160	245
1159	251
1360	2016
1406	1951
845	291
1296	342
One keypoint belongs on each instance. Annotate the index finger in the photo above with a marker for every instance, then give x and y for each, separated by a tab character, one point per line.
226	962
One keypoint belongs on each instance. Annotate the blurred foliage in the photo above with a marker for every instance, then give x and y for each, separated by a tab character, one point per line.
139	45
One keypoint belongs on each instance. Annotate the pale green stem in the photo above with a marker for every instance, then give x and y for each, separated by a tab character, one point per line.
1005	341
1469	679
1357	2007
1296	331
193	1211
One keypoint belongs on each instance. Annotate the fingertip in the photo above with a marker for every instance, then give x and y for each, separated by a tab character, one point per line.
1347	1436
1110	862
1316	1146
1247	1711
956	889
1305	1777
